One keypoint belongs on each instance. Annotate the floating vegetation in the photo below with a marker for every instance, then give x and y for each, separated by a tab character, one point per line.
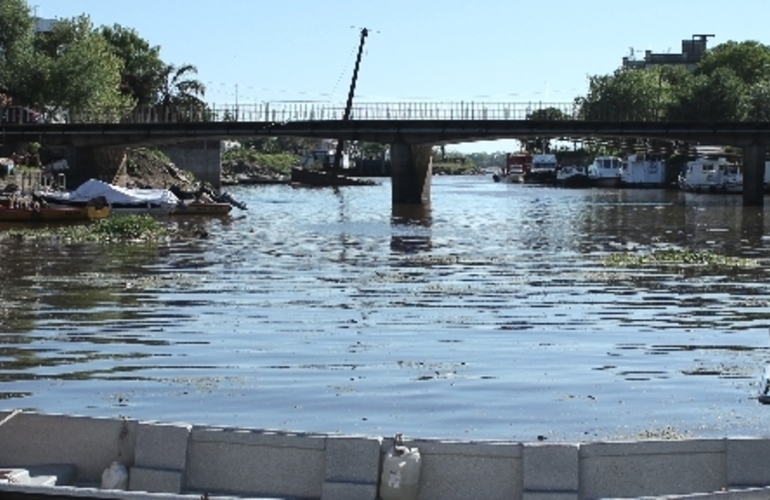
668	433
676	257
129	228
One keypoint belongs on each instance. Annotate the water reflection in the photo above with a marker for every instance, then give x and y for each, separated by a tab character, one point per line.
411	228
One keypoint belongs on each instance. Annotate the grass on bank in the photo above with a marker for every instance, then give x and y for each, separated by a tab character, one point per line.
128	228
278	163
676	257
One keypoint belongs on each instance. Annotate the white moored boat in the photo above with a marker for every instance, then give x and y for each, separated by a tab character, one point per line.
121	200
604	171
572	176
706	175
643	170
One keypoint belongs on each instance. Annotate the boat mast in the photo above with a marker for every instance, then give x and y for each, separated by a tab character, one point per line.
349	106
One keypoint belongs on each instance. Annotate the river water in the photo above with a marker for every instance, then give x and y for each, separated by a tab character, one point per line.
489	315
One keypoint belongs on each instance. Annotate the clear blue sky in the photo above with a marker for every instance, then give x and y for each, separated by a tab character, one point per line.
435	50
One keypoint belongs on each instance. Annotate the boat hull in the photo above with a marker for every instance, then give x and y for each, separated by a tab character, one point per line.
324	178
202	209
53	214
605	182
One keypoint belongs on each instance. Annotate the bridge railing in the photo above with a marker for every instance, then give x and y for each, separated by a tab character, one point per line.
290	111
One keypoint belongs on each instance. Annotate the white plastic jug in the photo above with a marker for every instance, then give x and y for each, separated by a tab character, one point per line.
400	472
115	477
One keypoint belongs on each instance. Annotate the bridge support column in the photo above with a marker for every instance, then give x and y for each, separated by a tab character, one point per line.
94	162
754	175
202	158
411	167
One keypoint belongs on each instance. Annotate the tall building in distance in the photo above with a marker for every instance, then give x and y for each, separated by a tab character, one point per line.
692	51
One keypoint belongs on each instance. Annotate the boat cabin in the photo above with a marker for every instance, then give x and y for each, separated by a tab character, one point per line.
643	170
605	171
711	175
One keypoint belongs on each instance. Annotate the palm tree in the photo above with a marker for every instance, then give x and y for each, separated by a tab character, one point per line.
179	92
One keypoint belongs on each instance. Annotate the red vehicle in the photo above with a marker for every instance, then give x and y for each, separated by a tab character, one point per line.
517	166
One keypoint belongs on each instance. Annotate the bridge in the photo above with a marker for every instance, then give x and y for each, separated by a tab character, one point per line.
411	129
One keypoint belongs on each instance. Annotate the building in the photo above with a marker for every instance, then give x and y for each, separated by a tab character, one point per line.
692	51
44	25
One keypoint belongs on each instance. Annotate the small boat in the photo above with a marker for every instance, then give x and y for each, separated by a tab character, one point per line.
711	175
323	178
202	208
643	171
542	170
572	176
604	171
35	212
121	200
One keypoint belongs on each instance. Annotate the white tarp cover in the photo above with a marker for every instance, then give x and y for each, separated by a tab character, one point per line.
118	195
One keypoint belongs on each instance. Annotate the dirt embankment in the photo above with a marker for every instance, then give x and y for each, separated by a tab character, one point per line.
146	168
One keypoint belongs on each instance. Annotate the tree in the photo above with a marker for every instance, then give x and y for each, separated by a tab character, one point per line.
720	96
630	94
177	88
82	72
16	50
749	61
542	144
548	114
143	70
759	102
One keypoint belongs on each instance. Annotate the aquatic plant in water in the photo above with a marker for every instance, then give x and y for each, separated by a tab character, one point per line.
124	229
676	257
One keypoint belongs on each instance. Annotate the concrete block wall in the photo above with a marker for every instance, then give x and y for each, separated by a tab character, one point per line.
202	158
455	470
160	458
90	443
181	458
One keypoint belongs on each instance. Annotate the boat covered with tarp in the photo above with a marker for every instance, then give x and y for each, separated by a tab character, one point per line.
120	199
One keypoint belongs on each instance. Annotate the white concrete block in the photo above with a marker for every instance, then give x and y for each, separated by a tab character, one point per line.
448	476
748	462
549	495
651	468
249	469
161	446
91	444
348	491
353	460
551	467
155	480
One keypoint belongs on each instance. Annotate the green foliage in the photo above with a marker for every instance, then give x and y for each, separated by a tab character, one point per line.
16	54
85	70
548	114
177	88
487	160
758	102
76	70
465	167
719	96
293	145
749	61
627	94
276	163
731	83
142	66
129	227
125	229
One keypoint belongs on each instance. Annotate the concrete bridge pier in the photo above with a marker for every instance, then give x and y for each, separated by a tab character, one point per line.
754	175
411	167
